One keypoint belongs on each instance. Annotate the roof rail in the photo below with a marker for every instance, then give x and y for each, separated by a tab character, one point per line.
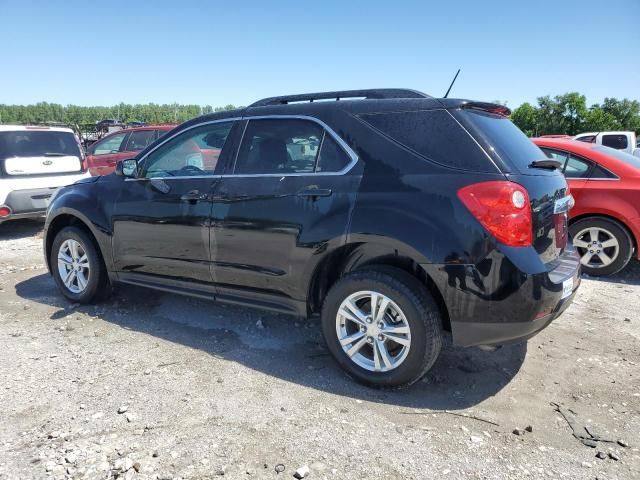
374	93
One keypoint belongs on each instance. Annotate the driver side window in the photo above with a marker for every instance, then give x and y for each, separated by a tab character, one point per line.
194	152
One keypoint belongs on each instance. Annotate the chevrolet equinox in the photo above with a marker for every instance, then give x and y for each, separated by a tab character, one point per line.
393	215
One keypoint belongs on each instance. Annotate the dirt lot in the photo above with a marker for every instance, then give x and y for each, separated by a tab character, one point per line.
211	391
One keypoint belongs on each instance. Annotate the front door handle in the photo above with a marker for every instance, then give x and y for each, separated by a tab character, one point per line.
314	192
194	196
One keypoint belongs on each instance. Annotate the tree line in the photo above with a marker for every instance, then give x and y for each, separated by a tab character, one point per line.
566	114
151	113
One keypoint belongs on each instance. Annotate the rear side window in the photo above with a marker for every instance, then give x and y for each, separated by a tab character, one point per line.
619	142
587	139
279	147
499	134
433	134
576	168
140	140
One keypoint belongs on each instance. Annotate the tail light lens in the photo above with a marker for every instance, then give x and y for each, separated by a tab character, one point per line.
503	208
4	211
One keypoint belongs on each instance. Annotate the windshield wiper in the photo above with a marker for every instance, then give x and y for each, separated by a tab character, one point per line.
547	163
54	154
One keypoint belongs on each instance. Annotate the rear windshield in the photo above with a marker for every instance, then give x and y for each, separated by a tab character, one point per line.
37	143
624	156
435	135
498	134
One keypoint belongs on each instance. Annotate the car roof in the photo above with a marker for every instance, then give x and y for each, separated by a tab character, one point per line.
20	128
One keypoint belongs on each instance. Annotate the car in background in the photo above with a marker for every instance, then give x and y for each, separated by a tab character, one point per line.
624	141
605	183
103	155
34	162
393	215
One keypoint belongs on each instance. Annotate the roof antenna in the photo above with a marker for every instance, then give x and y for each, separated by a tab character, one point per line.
452	82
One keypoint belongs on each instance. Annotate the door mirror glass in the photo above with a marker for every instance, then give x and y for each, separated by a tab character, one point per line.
127	168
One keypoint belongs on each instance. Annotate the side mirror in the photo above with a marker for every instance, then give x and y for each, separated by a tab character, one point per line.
127	168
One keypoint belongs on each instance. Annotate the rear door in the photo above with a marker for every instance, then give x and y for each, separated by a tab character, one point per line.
285	200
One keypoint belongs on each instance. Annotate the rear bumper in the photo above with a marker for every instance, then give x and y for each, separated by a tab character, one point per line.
496	303
28	203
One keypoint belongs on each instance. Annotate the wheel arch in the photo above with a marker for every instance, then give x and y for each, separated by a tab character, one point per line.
356	256
67	219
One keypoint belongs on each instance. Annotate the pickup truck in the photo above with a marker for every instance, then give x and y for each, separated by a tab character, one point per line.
625	141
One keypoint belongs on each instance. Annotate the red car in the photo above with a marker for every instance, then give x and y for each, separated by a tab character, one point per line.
605	222
103	155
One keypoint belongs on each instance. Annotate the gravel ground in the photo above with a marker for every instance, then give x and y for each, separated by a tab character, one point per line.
154	385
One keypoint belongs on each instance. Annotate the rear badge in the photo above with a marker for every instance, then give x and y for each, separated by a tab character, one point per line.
47	162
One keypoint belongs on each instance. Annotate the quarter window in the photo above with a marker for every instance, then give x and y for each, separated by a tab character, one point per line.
332	157
279	147
109	145
140	140
619	142
192	153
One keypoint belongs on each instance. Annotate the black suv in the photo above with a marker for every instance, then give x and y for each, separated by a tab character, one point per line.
394	215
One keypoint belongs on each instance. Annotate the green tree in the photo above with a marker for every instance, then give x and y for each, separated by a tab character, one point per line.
526	118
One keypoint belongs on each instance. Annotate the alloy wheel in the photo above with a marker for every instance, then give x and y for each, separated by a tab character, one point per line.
597	246
373	331
73	266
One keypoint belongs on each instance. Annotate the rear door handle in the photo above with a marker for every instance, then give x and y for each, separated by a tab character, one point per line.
314	192
194	196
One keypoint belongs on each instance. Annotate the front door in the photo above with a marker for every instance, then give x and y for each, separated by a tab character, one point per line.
161	219
285	200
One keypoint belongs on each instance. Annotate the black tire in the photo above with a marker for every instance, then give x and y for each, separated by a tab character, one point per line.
422	315
616	230
98	286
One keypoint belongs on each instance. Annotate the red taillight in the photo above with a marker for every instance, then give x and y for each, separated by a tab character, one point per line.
503	208
5	212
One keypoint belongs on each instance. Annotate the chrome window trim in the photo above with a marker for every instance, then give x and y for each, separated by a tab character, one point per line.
326	129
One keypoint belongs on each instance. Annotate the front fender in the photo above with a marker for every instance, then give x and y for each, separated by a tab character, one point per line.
80	203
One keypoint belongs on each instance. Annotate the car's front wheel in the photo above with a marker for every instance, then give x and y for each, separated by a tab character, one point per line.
77	267
382	327
604	245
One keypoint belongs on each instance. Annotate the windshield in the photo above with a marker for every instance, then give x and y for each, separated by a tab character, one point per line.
620	155
38	143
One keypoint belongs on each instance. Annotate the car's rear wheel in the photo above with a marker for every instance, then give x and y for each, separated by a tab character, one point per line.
604	245
382	327
77	267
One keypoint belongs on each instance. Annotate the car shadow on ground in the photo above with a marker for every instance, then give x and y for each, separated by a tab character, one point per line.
630	275
16	229
284	348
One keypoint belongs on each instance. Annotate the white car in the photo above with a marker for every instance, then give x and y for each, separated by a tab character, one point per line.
34	163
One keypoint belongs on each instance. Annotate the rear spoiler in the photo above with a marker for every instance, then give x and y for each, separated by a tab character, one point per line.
494	108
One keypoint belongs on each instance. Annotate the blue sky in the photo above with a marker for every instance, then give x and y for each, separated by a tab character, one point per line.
206	52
